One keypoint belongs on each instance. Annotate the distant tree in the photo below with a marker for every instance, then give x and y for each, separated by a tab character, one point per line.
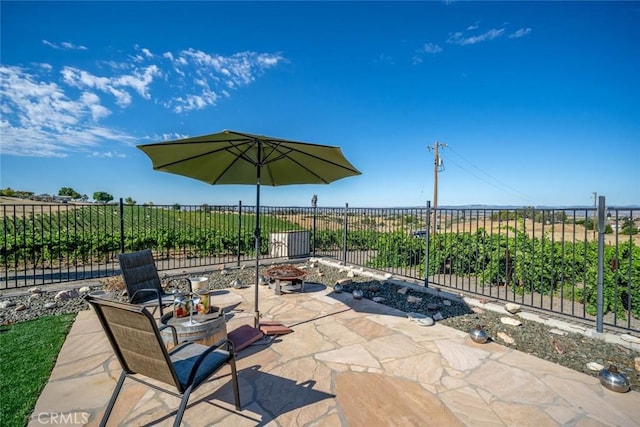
589	224
8	192
205	207
559	217
101	196
528	212
148	204
176	206
68	191
84	198
628	227
129	201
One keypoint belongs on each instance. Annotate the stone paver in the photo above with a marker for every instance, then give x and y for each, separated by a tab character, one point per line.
347	363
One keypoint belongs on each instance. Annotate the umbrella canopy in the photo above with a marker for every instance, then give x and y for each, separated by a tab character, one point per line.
230	157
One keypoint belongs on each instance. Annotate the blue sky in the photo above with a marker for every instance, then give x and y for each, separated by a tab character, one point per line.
538	102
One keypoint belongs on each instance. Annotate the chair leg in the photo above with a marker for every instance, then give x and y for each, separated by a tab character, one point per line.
112	401
234	380
183	406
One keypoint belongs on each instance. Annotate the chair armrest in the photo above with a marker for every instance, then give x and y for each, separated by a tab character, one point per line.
174	333
149	290
204	354
146	290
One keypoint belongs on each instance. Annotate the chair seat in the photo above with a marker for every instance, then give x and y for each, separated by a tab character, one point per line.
186	355
152	301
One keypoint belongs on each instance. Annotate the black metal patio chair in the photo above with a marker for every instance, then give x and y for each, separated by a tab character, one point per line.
141	351
141	279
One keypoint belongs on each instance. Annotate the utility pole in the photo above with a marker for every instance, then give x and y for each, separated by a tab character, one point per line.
595	212
438	166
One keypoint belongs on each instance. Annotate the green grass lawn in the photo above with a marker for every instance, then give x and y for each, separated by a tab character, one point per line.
28	352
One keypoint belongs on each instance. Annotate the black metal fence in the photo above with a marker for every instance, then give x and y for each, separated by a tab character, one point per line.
578	262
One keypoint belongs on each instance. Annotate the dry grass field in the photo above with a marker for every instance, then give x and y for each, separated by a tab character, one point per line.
567	232
36	207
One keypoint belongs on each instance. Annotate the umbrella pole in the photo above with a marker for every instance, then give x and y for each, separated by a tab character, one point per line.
256	313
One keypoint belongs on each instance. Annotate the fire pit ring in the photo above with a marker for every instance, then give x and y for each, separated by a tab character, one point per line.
286	273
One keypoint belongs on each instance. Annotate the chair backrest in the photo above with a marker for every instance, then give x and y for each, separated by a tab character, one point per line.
139	272
136	341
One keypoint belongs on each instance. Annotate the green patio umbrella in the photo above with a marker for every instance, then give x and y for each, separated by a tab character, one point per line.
230	157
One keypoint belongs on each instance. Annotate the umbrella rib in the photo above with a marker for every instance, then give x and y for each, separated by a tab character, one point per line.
277	147
240	155
236	149
203	154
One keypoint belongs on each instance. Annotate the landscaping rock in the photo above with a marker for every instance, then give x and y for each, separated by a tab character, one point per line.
512	308
510	321
67	295
7	304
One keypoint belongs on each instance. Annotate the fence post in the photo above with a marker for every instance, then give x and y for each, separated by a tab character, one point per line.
239	230
600	295
121	226
346	230
426	250
314	203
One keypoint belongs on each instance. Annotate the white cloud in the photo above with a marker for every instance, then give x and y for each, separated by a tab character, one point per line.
68	45
383	58
107	155
139	80
169	137
140	57
64	45
39	119
52	111
461	39
92	100
428	48
520	33
431	48
210	74
117	85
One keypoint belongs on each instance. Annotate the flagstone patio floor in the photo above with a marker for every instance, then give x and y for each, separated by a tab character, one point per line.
347	363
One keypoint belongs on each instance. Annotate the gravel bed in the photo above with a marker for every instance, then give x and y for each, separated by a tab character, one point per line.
572	350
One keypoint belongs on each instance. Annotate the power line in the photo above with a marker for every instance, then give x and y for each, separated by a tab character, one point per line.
496	184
